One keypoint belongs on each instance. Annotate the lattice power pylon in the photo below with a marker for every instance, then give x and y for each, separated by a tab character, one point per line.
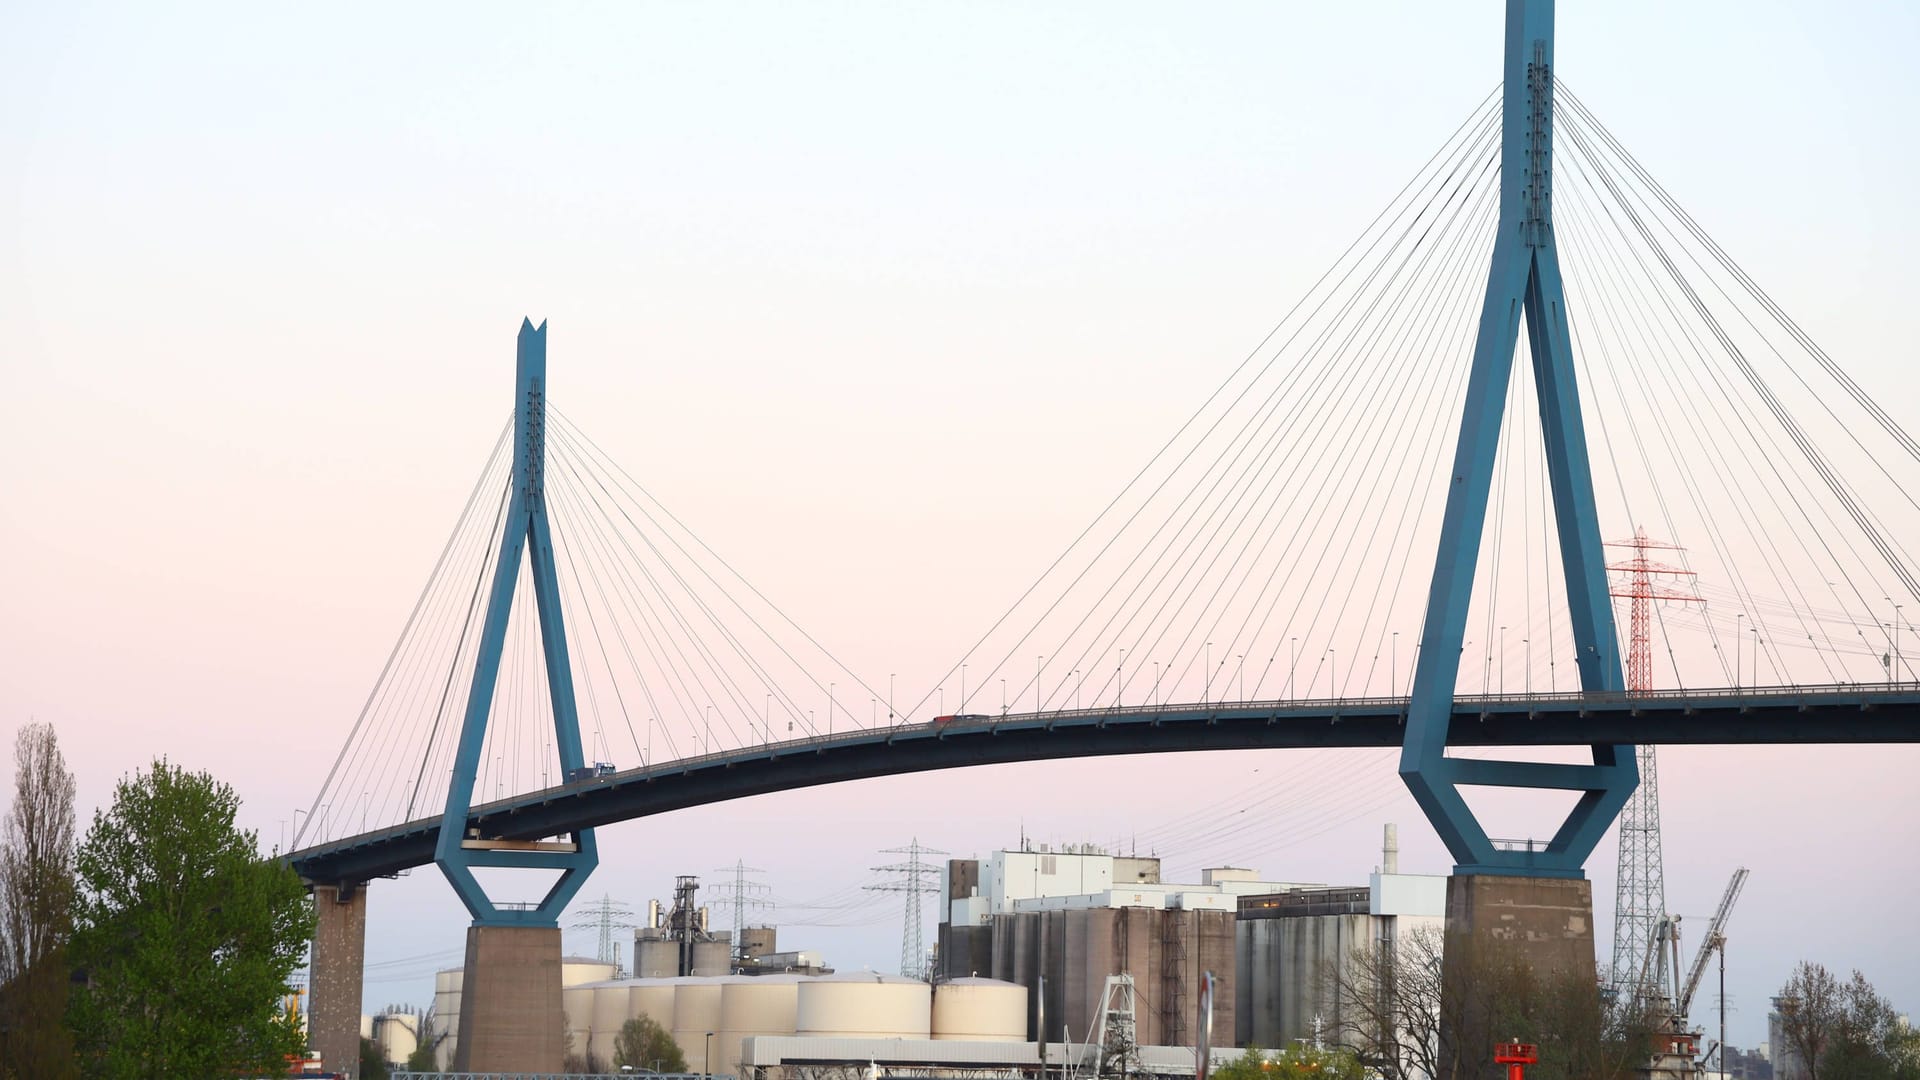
913	878
1640	898
605	917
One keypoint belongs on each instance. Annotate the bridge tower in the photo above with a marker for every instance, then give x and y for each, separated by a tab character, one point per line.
510	1017
1538	894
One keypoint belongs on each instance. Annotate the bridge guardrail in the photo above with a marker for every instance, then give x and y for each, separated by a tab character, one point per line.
1745	696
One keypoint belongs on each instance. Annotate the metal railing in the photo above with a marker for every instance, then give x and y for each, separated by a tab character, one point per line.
1278	707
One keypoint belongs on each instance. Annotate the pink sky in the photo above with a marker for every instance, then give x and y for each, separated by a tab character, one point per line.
886	308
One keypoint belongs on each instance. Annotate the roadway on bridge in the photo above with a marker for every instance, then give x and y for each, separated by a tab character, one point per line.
1824	714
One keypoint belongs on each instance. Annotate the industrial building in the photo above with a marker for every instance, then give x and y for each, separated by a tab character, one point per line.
678	940
1290	945
1070	918
1076	915
789	1027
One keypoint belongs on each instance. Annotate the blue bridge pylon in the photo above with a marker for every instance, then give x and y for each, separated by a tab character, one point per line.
525	527
1523	280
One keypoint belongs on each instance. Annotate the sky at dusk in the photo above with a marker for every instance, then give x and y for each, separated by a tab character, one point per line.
885	302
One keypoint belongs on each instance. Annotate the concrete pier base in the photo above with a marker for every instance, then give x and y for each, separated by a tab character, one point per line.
510	1014
1545	923
339	961
1508	939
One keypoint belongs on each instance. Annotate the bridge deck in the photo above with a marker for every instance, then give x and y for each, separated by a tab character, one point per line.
1814	714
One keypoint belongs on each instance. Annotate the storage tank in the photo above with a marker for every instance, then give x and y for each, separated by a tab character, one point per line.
397	1035
446	1015
712	958
577	1003
652	997
696	1011
864	1005
575	970
609	1016
980	1010
762	1005
656	959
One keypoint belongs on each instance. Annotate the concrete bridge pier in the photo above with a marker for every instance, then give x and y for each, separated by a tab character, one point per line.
511	1019
339	962
1495	924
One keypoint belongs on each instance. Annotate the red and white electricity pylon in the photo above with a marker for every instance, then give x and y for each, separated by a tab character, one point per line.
1643	591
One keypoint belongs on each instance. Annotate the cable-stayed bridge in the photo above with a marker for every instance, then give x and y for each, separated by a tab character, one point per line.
1256	583
1824	714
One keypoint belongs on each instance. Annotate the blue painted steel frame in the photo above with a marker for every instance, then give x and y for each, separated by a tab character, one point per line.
1524	279
526	527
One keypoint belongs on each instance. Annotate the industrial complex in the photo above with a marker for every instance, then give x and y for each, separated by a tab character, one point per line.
1047	957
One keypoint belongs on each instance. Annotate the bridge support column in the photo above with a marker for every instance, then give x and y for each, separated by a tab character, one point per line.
510	1015
1499	928
339	960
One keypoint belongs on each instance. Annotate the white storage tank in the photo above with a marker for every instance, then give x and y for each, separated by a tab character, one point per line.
696	1011
609	1016
980	1010
577	1003
864	1005
397	1035
575	970
757	1005
446	1015
654	998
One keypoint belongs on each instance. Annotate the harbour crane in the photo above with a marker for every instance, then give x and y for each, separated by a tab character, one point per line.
1674	1040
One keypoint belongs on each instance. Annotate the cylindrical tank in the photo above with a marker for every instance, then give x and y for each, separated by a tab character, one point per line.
397	1035
577	1003
696	1011
651	997
712	958
864	1005
980	1010
763	1005
575	970
446	1015
656	959
609	1015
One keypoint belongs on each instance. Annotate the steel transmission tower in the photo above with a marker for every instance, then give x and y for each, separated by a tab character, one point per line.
913	877
1640	900
605	915
746	895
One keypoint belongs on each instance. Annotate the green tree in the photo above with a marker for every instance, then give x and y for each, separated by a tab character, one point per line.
185	936
644	1044
36	911
1845	1029
422	1058
373	1064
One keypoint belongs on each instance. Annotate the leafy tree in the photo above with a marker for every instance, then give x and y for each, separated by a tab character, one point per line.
644	1044
1297	1063
373	1064
36	911
185	936
1845	1029
422	1058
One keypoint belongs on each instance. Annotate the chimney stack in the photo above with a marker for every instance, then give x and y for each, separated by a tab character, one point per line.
1390	851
